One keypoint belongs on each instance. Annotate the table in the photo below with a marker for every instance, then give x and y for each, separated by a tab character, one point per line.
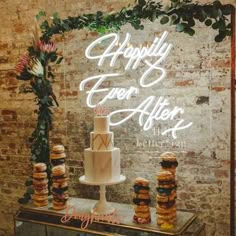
45	218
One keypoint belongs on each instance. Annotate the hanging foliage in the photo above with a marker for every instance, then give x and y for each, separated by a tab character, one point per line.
35	65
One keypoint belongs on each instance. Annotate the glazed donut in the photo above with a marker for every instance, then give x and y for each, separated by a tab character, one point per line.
41	203
166	204
165	176
161	210
58	149
39	197
39	167
164	198
141	189
142	214
168	156
167	216
141	208
141	195
42	187
59	185
39	175
40	182
58	170
42	191
63	196
161	221
56	156
141	181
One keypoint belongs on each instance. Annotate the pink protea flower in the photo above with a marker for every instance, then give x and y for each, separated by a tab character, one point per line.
22	62
46	47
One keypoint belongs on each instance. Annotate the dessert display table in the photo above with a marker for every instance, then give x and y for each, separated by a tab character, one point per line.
50	219
102	206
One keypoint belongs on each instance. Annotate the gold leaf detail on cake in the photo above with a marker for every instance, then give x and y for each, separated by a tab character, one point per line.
105	141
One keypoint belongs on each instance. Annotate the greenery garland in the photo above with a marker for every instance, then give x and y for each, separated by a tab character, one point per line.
35	65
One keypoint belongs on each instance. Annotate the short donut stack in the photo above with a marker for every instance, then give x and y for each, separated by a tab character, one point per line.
166	195
58	155
59	187
40	185
141	200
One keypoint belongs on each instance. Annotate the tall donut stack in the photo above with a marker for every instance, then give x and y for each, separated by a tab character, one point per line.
141	200
40	185
59	178
166	191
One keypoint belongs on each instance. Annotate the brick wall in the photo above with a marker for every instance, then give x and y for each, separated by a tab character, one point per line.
197	80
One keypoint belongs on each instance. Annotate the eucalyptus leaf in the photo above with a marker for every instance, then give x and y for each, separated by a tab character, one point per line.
189	31
208	22
164	20
179	27
226	9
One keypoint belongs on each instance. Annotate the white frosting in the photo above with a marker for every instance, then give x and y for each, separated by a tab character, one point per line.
101	124
102	166
101	142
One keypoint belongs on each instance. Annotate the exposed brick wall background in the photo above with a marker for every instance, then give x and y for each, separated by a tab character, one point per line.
197	80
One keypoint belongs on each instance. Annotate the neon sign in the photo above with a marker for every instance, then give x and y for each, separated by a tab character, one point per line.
152	108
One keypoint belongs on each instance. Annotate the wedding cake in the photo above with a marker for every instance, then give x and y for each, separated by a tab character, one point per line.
102	159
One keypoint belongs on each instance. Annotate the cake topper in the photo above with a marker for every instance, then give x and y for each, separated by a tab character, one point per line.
101	111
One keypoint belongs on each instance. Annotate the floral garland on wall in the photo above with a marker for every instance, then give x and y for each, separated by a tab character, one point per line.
35	65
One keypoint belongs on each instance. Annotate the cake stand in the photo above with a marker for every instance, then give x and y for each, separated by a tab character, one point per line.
102	207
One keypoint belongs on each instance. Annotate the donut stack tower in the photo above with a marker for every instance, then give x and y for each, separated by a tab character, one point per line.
141	200
166	191
59	178
40	185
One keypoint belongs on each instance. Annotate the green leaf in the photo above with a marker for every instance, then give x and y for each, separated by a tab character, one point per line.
27	196
215	25
30	191
189	31
220	37
141	2
23	201
208	22
179	27
59	60
191	22
164	20
55	15
226	9
40	14
28	182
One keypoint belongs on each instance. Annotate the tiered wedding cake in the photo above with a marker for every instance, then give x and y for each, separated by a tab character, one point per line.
102	159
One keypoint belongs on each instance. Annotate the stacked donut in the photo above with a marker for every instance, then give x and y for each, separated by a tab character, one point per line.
141	200
166	195
59	178
59	187
169	162
58	155
166	190
40	185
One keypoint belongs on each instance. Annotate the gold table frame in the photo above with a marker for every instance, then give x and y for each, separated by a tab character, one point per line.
47	216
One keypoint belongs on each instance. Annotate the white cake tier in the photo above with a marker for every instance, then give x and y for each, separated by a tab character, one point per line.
101	124
101	142
102	166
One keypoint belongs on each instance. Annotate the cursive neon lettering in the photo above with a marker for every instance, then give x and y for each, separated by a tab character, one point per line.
151	109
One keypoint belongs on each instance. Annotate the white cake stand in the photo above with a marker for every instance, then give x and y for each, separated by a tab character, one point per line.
102	207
